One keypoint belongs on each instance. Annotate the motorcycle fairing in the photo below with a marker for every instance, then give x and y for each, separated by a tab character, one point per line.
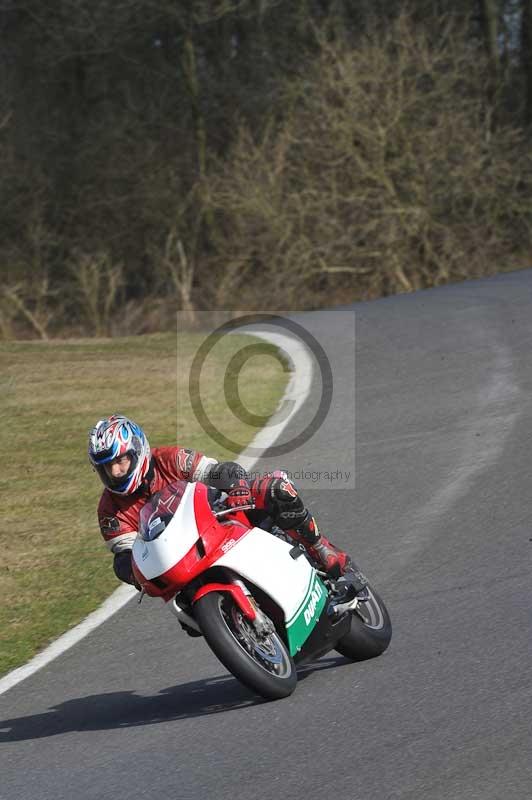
173	543
292	583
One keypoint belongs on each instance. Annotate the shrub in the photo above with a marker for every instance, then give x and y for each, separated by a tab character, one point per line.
384	174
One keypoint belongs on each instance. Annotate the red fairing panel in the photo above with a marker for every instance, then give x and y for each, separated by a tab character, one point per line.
174	579
216	540
202	510
236	591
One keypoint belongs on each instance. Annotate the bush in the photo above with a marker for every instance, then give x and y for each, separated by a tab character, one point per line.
385	174
387	164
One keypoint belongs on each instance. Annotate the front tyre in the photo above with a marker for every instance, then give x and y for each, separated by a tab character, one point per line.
370	632
260	662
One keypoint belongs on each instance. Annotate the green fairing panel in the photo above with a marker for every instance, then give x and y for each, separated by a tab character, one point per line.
301	625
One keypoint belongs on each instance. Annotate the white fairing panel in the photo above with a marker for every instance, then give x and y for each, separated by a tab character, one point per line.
266	561
155	558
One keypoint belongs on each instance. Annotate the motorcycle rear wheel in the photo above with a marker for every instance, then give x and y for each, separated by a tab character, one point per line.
263	664
370	632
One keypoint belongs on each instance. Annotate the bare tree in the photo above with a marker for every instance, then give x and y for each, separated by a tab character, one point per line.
31	301
489	14
181	268
384	176
97	284
526	55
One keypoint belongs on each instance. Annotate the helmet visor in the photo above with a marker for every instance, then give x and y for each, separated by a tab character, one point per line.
117	483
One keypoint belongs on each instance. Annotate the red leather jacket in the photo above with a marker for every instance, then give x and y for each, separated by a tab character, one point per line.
118	514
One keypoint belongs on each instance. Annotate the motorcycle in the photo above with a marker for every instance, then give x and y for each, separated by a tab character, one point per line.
261	605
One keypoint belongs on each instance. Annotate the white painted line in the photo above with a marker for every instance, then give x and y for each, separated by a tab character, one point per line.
296	392
478	447
119	598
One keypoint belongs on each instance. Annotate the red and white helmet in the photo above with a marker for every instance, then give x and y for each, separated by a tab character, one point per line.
117	436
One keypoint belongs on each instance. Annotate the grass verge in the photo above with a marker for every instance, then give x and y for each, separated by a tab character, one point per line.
55	568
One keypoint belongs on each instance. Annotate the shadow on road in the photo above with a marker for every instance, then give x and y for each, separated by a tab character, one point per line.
115	710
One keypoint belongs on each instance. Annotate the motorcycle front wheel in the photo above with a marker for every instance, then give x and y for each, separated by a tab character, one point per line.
262	663
370	632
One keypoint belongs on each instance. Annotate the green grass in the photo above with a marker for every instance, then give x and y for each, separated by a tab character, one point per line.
55	568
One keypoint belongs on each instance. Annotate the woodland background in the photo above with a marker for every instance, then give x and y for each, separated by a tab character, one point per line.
255	154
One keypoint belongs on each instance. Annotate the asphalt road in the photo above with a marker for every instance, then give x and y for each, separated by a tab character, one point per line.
440	518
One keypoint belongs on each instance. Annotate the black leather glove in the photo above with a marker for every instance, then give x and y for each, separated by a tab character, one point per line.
239	494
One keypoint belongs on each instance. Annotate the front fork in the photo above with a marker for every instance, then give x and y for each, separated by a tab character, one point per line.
184	618
262	624
241	595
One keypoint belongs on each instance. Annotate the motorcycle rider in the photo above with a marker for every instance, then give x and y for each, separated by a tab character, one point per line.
131	471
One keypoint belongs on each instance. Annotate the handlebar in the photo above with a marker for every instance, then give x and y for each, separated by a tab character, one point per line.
225	511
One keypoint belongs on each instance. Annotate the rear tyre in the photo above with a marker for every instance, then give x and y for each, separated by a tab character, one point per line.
371	630
262	663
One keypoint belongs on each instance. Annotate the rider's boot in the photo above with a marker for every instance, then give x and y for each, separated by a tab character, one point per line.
337	564
334	561
331	559
277	494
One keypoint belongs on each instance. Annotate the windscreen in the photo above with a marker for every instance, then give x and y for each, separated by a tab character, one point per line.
159	510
